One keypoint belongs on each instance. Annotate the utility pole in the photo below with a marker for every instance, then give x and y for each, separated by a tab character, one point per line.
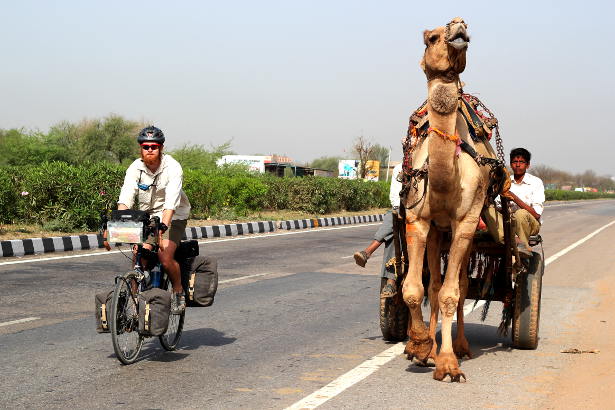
389	163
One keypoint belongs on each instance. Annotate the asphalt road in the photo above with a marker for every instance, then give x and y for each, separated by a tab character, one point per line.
304	315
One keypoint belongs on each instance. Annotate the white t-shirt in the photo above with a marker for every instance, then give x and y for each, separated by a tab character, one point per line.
395	186
165	191
530	190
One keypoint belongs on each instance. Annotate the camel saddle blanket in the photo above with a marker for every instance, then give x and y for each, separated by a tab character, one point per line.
479	124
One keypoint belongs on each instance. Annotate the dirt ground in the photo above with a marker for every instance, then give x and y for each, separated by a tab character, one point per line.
587	380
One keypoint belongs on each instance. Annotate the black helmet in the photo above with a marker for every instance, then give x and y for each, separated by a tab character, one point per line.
151	134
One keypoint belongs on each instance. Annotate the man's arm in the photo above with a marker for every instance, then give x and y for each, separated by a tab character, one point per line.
523	205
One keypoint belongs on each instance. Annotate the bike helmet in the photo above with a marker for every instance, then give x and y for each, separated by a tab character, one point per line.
151	134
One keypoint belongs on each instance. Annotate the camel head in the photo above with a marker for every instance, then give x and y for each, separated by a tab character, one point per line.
445	50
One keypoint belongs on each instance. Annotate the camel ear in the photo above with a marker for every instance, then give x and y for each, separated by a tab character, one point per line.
426	34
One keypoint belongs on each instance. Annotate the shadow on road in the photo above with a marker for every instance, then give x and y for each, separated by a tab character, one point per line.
193	339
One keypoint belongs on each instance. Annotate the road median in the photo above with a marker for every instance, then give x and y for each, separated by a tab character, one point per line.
36	246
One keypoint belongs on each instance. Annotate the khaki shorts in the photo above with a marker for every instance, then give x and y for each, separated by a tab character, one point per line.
175	233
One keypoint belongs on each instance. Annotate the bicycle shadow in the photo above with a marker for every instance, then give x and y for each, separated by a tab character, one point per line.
195	338
190	340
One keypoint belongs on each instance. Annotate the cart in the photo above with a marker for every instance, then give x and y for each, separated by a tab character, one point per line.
494	275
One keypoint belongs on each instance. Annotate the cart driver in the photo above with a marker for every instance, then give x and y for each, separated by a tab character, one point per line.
527	195
157	180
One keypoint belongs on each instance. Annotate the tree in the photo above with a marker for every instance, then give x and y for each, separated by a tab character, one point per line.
328	163
198	157
364	150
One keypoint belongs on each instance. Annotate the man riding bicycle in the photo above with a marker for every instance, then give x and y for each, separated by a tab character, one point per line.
156	179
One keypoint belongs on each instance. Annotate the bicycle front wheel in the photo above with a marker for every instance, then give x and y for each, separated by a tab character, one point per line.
170	339
127	341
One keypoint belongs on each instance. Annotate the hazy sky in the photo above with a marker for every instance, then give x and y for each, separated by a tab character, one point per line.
304	78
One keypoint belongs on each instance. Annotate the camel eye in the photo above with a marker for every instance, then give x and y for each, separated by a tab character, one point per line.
433	38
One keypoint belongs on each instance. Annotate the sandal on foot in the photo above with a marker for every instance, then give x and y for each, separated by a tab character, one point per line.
361	258
388	291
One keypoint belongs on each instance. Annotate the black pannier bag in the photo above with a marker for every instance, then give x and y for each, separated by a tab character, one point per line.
154	310
102	302
187	249
200	281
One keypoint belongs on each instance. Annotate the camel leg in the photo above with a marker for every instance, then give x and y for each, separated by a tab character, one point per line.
460	344
448	297
435	283
419	343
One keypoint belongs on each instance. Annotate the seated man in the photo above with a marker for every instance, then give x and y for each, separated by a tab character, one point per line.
385	234
527	194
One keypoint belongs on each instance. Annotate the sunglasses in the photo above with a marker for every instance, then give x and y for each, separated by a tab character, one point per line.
153	147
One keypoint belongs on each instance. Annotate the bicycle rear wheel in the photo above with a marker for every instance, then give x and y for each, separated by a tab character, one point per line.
170	339
127	341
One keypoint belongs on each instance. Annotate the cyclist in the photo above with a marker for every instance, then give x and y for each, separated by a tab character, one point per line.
156	179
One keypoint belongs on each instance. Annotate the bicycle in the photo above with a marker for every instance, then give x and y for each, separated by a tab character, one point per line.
133	227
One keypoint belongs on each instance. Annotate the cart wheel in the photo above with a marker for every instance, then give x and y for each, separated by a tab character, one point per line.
393	317
526	317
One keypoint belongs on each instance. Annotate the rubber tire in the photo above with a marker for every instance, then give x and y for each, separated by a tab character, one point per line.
171	345
526	316
113	325
393	318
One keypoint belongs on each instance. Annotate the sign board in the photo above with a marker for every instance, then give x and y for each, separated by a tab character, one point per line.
373	170
347	168
254	162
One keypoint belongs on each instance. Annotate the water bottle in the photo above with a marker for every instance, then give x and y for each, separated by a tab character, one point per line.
155	276
146	278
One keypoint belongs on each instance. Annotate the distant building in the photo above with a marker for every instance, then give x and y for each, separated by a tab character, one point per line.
273	164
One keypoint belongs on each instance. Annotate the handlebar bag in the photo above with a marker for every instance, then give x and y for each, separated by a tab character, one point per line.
201	281
154	311
102	301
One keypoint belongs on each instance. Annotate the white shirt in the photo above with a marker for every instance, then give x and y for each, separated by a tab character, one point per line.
395	186
530	190
165	191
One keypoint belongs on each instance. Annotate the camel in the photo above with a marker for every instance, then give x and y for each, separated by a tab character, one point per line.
448	193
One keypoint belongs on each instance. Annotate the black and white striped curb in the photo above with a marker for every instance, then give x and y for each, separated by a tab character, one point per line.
219	231
320	222
35	246
21	247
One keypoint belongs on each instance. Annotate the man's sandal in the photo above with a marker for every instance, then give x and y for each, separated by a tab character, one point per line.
361	258
388	291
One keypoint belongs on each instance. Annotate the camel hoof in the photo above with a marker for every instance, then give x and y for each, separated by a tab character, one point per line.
419	348
447	365
462	349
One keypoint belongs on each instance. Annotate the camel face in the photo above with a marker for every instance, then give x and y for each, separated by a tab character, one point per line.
445	50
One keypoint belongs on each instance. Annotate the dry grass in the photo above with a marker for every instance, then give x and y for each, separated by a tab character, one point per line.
24	231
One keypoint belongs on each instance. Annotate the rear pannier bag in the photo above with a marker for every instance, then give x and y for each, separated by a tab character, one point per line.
154	310
201	281
102	302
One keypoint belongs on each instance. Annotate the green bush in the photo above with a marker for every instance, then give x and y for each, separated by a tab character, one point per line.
560	195
67	197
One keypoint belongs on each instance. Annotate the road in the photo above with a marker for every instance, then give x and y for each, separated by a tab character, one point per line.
293	313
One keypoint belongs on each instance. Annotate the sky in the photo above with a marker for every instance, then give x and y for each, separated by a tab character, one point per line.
305	78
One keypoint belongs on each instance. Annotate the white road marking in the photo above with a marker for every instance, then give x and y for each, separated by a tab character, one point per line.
14	322
210	241
245	277
564	251
347	257
370	366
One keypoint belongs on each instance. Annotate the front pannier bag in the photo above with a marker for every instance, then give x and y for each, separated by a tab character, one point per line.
154	310
201	281
102	302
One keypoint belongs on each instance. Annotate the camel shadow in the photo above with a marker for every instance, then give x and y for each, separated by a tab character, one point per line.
483	340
